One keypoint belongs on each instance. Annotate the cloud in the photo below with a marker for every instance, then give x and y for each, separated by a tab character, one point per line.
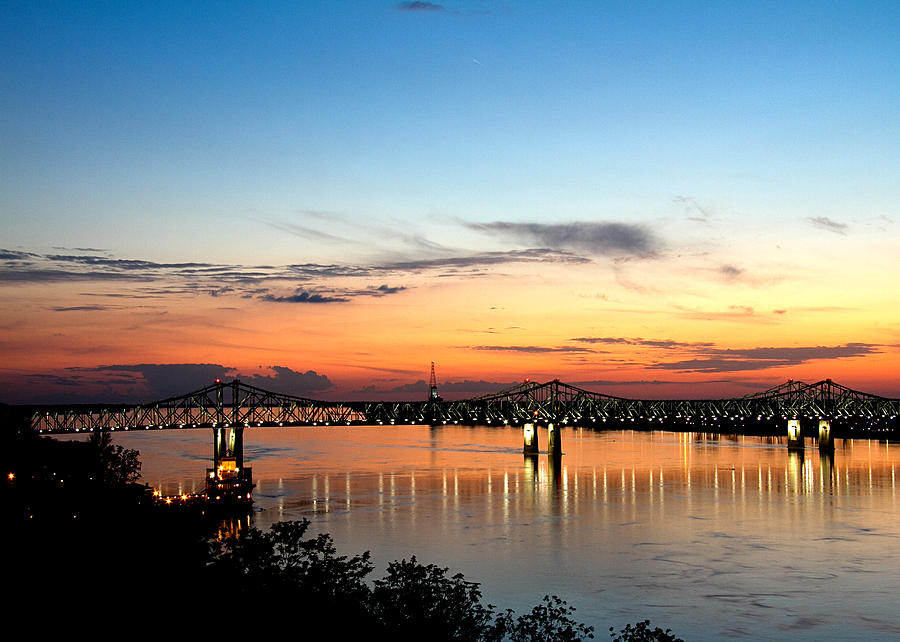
303	297
148	279
825	223
146	382
693	210
289	381
533	349
162	380
304	232
730	272
383	290
603	238
80	308
15	255
335	296
418	5
666	344
733	360
121	264
705	357
534	255
732	313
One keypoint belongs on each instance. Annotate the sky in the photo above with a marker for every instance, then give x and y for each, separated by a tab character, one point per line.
645	199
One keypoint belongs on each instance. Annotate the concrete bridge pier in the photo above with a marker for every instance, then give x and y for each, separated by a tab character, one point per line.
531	439
554	440
795	435
228	446
229	481
826	438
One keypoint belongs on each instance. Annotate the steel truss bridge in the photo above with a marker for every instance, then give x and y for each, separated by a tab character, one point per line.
237	404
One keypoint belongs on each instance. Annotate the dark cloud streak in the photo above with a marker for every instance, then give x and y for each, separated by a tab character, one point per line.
419	5
603	238
825	223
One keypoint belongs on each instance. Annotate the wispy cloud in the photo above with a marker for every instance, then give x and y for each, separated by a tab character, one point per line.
600	238
703	356
534	349
734	360
79	308
693	210
536	255
825	223
311	282
418	5
304	231
665	344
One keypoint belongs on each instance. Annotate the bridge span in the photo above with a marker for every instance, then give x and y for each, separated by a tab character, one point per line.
230	408
237	404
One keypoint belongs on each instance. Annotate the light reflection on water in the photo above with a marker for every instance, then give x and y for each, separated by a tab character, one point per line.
711	536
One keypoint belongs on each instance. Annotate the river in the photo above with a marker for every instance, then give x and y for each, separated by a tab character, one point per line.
713	536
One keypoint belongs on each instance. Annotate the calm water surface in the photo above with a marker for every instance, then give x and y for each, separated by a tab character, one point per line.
715	537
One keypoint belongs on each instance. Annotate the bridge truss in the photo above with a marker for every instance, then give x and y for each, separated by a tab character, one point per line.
239	404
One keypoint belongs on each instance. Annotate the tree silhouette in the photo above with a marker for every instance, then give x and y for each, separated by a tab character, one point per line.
641	632
115	465
418	600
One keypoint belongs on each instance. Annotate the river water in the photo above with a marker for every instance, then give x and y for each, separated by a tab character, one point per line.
712	536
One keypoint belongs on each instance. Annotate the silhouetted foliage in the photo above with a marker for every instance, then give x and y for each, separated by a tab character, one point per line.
281	570
641	632
412	601
116	466
551	620
416	600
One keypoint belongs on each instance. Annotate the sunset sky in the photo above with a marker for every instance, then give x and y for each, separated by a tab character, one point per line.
647	199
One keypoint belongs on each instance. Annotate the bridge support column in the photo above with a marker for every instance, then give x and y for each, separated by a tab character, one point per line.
531	439
826	439
228	444
795	435
554	440
228	480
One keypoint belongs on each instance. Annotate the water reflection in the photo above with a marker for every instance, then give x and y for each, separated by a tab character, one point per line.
711	535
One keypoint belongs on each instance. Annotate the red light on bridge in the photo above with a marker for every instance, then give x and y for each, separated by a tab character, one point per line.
218	380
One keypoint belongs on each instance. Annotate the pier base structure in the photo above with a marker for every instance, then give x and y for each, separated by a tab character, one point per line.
554	440
531	439
795	435
229	481
826	438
